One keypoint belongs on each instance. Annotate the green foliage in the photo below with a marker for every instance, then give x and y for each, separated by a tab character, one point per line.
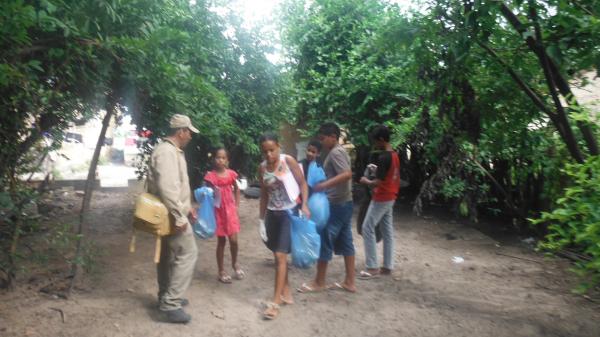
344	69
575	221
449	101
453	187
63	61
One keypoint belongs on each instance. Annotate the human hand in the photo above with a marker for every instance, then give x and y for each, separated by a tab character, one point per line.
193	214
180	227
262	230
305	211
319	187
364	181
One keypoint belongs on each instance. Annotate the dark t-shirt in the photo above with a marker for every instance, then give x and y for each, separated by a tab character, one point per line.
304	163
384	162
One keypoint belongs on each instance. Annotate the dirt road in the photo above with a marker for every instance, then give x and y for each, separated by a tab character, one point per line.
428	295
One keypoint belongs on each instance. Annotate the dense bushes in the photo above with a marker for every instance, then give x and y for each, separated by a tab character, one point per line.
575	220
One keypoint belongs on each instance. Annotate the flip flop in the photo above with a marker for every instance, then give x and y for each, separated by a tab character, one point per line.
365	275
271	312
286	302
305	288
225	279
340	286
239	274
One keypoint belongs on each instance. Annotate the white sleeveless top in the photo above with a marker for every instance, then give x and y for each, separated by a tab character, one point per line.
281	185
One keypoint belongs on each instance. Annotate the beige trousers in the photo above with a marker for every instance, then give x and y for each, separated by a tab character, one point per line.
176	268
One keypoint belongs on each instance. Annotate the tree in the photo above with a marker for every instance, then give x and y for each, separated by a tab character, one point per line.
62	61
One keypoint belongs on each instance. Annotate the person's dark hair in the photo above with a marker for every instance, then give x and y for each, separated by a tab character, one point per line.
268	136
217	149
381	132
316	143
330	129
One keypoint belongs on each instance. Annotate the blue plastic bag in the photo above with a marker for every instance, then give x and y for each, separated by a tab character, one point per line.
206	224
318	204
315	174
306	242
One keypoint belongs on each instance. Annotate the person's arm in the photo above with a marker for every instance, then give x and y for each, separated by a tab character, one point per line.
236	190
341	165
384	163
262	209
297	172
264	196
370	182
169	186
341	178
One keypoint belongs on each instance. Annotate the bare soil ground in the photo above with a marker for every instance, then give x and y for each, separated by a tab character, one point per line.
489	294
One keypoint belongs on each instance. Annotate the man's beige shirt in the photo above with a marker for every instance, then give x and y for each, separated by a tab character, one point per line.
168	179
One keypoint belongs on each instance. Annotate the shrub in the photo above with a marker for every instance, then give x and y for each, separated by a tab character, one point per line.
575	222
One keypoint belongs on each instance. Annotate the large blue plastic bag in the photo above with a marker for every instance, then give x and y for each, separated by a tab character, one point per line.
315	174
319	209
206	224
306	242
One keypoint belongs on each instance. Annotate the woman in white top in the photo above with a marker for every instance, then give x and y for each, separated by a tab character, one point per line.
283	189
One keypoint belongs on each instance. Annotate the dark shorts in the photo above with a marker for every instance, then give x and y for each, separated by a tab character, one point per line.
337	234
279	231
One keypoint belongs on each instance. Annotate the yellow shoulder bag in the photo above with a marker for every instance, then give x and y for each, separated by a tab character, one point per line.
151	216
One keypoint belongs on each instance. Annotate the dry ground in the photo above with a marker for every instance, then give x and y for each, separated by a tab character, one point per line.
428	295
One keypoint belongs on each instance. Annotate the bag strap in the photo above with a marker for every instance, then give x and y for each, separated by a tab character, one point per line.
157	249
132	242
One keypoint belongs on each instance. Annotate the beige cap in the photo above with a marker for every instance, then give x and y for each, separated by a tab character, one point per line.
181	121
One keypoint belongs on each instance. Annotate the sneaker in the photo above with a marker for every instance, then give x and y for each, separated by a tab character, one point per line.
177	316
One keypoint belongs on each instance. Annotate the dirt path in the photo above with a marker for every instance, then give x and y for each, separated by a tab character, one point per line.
428	295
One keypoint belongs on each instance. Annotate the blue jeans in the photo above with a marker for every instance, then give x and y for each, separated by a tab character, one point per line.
379	212
337	234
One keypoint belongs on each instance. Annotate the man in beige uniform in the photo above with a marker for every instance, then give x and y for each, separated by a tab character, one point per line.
168	179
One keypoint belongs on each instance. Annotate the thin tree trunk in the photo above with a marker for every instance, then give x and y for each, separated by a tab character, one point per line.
87	197
16	235
507	196
550	76
559	81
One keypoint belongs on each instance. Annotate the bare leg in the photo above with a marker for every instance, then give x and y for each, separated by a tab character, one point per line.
280	276
319	282
233	248
221	241
350	273
287	294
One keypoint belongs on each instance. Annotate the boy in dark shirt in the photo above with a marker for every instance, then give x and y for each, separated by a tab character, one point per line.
313	151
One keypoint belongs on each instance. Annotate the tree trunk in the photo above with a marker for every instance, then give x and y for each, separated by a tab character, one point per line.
89	188
557	78
558	120
18	221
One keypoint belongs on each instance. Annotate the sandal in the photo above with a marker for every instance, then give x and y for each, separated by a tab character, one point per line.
272	311
305	288
365	275
285	301
224	278
239	274
340	286
385	271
